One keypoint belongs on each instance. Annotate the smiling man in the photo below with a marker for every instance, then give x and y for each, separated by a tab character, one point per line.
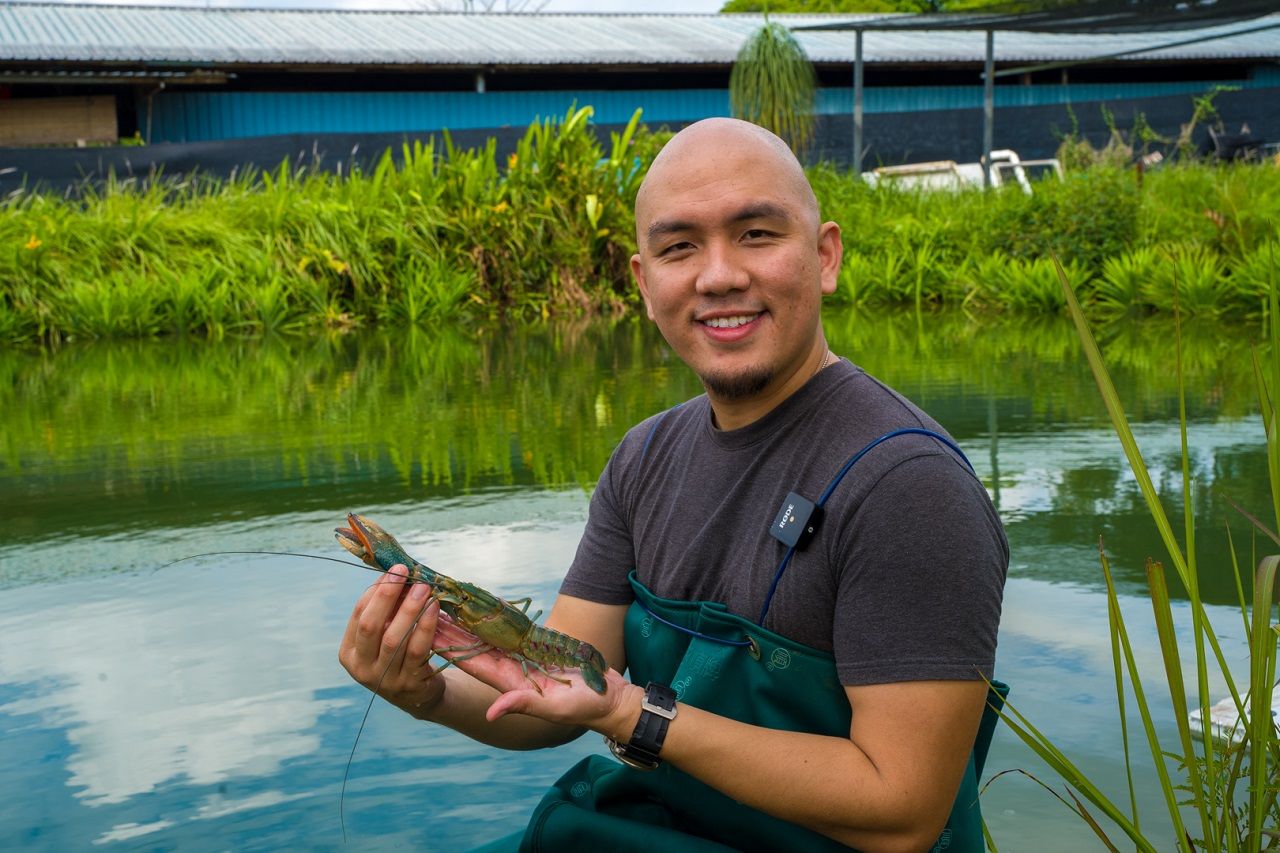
802	677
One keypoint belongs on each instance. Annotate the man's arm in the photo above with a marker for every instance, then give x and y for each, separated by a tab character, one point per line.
889	786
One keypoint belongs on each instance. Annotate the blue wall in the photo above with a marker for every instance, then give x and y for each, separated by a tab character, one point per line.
200	116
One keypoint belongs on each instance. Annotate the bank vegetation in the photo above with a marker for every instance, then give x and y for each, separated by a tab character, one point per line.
436	233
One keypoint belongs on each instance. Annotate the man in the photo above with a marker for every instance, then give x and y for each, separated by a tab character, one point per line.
829	694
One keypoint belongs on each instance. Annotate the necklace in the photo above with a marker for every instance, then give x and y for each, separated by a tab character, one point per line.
826	359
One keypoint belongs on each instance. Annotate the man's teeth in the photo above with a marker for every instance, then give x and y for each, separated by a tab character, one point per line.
730	322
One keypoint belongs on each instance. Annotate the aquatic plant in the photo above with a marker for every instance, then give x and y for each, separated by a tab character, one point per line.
1221	792
427	233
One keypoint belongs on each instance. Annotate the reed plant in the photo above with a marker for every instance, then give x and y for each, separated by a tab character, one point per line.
1219	790
1205	226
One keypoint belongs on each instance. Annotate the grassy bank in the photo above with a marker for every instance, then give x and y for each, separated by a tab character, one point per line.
435	233
429	233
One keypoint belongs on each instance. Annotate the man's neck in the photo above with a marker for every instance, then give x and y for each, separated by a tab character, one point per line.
737	413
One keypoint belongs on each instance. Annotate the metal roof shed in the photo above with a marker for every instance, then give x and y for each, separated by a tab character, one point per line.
1057	16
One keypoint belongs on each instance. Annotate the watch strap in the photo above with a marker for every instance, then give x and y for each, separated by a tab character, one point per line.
657	710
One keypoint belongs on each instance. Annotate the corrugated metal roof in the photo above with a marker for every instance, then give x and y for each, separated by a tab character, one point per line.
219	36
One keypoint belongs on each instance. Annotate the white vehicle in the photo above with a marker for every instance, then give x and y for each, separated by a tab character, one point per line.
950	175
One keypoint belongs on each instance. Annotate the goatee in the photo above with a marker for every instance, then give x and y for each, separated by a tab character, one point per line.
739	386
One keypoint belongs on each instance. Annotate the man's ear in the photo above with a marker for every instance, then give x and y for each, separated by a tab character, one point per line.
830	255
637	271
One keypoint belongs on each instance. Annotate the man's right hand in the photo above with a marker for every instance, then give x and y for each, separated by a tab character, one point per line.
377	653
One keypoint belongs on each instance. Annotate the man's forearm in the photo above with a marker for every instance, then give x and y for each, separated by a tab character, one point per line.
462	708
827	784
889	786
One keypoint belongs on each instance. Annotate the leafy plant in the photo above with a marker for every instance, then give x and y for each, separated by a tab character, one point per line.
1190	278
1119	289
773	84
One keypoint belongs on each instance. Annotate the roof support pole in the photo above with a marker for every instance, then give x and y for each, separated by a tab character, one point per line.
857	102
988	107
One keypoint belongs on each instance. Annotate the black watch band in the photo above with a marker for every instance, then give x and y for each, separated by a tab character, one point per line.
657	710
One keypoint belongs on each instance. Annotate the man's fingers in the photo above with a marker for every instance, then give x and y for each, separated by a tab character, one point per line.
372	622
349	636
511	702
423	638
407	621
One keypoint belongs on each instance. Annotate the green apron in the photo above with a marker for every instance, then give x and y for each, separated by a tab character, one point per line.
762	679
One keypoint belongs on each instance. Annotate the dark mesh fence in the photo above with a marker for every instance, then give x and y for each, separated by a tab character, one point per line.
891	138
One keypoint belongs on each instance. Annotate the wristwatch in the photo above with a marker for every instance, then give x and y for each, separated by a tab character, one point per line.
657	710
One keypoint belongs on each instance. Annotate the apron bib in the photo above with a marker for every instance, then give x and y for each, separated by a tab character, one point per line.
732	667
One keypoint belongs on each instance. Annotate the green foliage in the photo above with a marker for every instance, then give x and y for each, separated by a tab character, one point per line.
442	234
1087	217
1027	285
1126	243
773	84
426	235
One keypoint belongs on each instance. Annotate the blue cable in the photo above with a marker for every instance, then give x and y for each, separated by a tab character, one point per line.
692	633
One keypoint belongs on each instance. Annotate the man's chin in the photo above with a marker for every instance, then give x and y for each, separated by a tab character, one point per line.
737	386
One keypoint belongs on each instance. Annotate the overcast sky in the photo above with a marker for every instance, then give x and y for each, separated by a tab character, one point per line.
664	6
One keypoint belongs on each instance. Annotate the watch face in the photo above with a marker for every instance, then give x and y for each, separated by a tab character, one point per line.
628	756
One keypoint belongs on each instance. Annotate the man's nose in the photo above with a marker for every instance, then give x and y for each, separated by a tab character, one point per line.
722	271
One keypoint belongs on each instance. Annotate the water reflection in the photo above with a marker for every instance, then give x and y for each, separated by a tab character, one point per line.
210	691
200	705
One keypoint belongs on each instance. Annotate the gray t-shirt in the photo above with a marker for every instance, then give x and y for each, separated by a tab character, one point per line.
904	578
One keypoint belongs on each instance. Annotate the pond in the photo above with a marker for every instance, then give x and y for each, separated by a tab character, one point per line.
199	705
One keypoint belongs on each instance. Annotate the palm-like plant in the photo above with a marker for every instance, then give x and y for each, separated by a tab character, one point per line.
773	85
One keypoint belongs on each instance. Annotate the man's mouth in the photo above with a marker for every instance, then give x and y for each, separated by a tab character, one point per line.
730	322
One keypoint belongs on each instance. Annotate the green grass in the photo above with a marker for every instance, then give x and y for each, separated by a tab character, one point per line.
436	234
428	234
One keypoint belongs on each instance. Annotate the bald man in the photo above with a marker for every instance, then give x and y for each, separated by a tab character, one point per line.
815	691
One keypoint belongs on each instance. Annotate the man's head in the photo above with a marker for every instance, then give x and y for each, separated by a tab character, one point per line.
733	261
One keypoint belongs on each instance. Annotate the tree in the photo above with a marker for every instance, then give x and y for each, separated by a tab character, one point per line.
773	85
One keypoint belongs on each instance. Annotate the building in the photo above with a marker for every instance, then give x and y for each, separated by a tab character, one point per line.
178	76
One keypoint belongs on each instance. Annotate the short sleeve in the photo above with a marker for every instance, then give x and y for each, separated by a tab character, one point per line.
606	552
921	578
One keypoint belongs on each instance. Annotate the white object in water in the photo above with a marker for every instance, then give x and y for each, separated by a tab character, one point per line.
1224	718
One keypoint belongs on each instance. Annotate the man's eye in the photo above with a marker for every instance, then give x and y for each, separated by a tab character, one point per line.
676	248
757	234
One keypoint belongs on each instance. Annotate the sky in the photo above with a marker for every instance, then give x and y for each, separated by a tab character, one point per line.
632	6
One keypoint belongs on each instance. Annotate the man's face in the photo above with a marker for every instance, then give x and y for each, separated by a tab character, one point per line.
733	264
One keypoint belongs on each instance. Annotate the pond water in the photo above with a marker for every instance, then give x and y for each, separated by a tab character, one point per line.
200	705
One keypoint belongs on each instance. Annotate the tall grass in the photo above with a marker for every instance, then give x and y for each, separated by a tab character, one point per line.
439	233
1220	793
1204	226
